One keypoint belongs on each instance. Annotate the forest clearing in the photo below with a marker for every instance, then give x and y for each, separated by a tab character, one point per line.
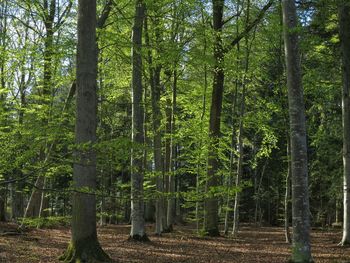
253	245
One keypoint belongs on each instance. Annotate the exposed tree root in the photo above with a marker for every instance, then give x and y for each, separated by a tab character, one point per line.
85	251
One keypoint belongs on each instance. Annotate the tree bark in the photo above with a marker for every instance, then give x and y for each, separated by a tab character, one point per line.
84	245
171	213
301	251
240	164
155	71
38	201
287	194
211	219
137	168
344	27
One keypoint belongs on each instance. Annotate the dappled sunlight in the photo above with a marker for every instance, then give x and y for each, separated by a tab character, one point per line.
265	244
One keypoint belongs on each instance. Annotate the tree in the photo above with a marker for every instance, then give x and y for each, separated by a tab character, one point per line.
300	198
84	245
219	50
344	31
211	204
137	162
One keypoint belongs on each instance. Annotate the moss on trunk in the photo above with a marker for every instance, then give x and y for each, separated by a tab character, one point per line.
85	251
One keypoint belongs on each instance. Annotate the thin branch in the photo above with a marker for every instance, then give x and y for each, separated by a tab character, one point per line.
249	27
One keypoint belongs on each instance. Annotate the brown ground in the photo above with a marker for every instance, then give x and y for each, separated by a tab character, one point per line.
264	244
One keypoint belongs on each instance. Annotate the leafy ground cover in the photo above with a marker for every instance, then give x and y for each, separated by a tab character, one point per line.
264	244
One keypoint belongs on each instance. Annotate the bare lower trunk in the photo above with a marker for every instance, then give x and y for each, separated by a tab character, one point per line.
171	213
137	169
34	202
17	201
287	195
344	20
211	219
84	245
300	196
238	176
3	197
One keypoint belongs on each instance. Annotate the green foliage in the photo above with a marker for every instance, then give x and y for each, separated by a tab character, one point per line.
46	222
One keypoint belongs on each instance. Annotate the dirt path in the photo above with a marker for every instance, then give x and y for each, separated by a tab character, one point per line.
253	245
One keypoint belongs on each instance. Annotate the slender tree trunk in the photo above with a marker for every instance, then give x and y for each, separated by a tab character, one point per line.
344	23
204	109
240	133
157	151
155	71
211	220
287	194
84	246
300	197
167	156
232	156
3	195
171	213
38	201
137	168
239	165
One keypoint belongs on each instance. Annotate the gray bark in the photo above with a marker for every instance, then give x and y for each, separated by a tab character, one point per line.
171	213
287	194
211	203
155	71
3	199
137	169
38	201
239	166
84	243
344	23
211	219
301	251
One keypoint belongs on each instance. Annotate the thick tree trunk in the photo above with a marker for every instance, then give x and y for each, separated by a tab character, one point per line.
84	246
300	197
344	22
211	220
137	168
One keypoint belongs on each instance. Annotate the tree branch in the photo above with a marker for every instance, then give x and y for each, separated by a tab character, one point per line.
249	27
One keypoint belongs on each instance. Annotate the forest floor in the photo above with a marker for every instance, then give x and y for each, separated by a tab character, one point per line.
264	244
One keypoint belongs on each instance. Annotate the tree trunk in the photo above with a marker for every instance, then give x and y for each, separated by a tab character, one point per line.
239	165
157	151
344	23
137	169
155	71
240	132
232	156
287	194
84	245
171	213
211	220
300	197
3	196
38	202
